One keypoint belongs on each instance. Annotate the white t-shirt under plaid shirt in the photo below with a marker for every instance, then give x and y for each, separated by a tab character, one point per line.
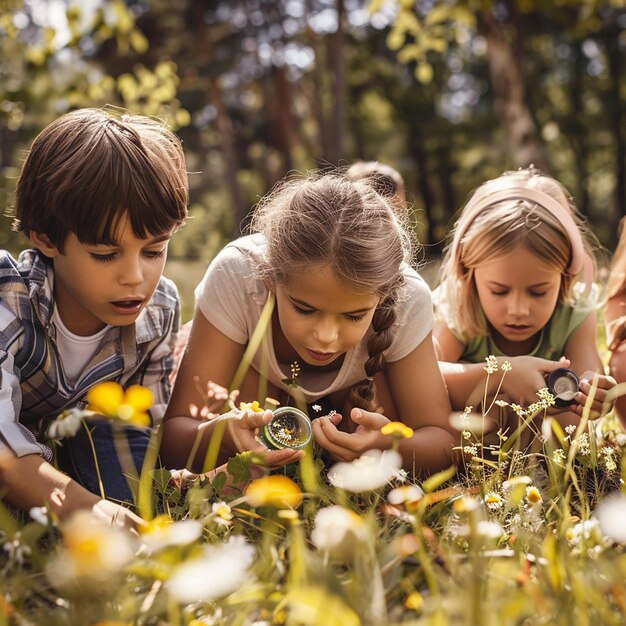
232	295
33	386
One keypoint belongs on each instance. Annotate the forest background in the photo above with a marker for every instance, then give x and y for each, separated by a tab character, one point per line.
449	92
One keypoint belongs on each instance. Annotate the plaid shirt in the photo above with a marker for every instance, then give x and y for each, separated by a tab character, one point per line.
33	385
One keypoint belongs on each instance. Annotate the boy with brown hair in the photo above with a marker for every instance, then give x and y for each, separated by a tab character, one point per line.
99	197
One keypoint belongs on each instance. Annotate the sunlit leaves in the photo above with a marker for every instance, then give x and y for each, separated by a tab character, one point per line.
415	37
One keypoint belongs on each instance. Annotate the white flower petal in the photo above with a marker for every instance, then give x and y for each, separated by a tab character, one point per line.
611	513
338	531
176	534
219	572
374	469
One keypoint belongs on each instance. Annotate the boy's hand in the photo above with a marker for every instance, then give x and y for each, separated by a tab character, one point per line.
117	516
349	446
584	389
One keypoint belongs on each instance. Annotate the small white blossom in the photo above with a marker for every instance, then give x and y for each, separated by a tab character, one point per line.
493	500
339	532
317	408
174	534
587	530
582	444
492	364
610	514
407	493
221	513
17	551
470	450
66	425
40	515
372	470
483	529
218	572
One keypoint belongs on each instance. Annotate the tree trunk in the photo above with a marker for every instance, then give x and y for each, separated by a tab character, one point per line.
509	95
578	134
315	93
616	124
281	116
338	70
225	131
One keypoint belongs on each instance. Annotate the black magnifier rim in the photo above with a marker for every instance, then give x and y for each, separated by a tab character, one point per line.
553	377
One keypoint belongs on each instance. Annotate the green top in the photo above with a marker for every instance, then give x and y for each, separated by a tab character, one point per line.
552	338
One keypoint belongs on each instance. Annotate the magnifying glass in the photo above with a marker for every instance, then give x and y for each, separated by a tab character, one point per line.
289	428
562	383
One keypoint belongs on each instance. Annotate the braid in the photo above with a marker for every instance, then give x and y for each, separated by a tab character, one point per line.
363	393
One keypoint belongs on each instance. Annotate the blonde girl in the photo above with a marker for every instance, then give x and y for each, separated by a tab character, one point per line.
350	316
516	283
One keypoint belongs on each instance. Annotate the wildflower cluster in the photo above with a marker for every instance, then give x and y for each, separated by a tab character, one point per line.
516	535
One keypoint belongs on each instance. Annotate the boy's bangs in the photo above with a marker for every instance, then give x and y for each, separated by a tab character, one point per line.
143	196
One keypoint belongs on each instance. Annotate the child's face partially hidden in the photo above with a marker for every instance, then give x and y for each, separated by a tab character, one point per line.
518	294
322	316
96	285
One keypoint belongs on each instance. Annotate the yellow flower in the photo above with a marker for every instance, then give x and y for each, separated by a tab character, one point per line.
255	407
156	525
129	407
397	430
274	490
414	601
533	495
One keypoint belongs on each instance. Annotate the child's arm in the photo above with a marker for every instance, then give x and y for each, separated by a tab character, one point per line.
582	352
210	356
30	481
466	381
615	315
422	403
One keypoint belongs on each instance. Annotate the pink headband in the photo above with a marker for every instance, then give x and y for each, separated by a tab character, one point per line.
580	259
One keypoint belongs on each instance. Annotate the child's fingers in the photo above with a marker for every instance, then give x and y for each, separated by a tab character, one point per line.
332	440
279	458
345	445
368	419
252	420
547	366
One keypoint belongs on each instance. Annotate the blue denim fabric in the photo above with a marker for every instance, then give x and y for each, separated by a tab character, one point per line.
76	458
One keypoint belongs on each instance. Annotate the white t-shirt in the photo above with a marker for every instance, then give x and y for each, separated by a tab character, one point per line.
231	296
75	351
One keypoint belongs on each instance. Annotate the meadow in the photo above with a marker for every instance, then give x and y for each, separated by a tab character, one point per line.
512	536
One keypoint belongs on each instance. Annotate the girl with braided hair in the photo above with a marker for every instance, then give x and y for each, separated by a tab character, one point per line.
351	318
